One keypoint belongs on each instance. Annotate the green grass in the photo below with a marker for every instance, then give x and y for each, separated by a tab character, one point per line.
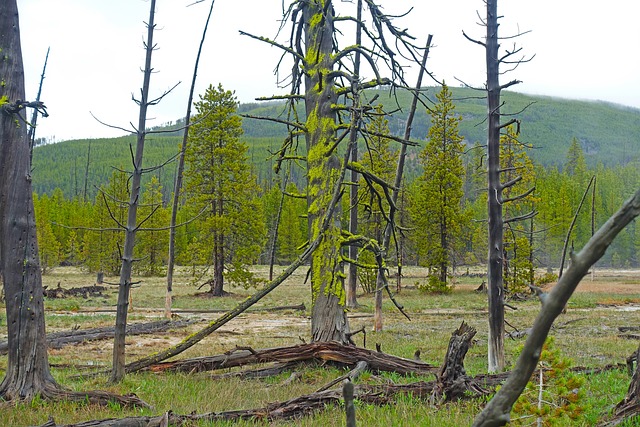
587	334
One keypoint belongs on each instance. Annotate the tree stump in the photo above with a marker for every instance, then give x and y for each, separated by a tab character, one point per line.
453	382
630	405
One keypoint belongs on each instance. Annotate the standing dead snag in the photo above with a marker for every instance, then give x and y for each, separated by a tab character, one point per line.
495	200
497	412
132	225
27	374
331	93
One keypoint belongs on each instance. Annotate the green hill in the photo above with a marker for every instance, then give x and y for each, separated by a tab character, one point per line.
609	134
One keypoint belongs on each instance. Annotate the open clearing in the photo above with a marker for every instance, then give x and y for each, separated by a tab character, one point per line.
587	333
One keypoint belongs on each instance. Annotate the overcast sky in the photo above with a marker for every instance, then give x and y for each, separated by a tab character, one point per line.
583	50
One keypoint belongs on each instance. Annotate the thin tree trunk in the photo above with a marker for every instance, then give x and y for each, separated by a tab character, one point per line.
34	116
573	223
276	227
388	231
352	277
118	371
593	221
86	173
178	181
495	285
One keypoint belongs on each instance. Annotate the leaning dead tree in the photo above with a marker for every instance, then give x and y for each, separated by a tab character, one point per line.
27	374
495	200
323	77
497	412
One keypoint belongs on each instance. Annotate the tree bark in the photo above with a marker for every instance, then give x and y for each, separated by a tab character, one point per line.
117	374
453	382
328	318
495	284
325	352
352	277
27	373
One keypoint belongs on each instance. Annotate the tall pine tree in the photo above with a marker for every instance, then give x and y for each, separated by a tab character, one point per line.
437	213
220	183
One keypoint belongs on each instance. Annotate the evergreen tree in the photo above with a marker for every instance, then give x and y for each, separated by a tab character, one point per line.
49	244
517	165
219	181
153	244
101	248
381	162
293	226
438	214
575	164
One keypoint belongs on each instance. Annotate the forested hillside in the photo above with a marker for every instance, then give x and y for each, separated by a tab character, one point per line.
606	132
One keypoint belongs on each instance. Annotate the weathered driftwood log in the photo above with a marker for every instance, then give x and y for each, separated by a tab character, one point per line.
331	352
60	339
452	379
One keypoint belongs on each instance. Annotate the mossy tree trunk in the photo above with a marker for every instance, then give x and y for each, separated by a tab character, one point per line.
27	374
328	319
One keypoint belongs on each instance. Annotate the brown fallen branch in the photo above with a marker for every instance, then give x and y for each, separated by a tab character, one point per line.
332	352
452	381
60	339
293	408
269	371
83	292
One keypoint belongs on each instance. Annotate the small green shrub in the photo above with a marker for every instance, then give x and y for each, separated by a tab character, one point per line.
563	398
434	285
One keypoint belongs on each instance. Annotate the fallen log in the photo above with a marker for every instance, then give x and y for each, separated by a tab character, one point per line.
289	409
328	352
58	340
83	291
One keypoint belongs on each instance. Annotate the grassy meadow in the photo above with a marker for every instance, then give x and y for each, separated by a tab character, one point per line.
587	334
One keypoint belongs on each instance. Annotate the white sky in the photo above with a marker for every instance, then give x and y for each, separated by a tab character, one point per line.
583	50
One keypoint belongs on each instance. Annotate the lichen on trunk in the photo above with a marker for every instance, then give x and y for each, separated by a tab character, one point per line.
328	319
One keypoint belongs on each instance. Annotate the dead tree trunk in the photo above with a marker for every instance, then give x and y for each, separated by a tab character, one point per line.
328	318
573	223
381	280
179	172
27	373
34	116
117	374
629	406
352	277
495	285
453	382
